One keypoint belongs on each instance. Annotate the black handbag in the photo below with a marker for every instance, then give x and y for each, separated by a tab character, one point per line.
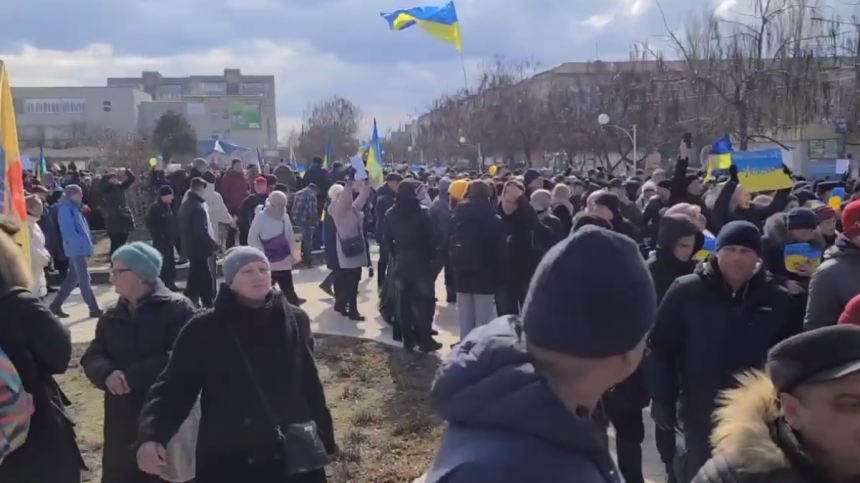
303	449
352	246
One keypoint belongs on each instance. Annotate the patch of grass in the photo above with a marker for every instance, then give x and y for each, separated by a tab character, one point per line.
378	400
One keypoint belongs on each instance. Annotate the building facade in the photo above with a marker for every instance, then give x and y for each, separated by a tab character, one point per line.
61	117
233	107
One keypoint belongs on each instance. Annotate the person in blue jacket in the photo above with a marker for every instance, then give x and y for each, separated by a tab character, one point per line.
78	247
519	393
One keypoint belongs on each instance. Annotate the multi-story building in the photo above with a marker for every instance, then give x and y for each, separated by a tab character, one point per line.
233	107
61	117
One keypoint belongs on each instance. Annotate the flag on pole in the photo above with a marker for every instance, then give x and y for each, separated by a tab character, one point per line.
327	159
11	172
374	160
294	163
440	22
42	166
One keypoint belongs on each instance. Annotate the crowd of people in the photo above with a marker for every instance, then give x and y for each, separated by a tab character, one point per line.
582	298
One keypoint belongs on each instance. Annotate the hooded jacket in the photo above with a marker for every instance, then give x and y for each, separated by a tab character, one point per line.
833	284
663	264
752	442
505	424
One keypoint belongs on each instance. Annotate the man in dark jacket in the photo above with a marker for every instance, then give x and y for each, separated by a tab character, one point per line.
249	205
411	240
653	211
440	212
234	189
519	394
711	325
384	202
608	206
791	424
161	224
119	220
197	245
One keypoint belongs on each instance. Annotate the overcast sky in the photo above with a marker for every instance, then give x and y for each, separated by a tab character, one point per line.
317	48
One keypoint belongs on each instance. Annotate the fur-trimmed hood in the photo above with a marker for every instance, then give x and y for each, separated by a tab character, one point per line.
776	229
744	421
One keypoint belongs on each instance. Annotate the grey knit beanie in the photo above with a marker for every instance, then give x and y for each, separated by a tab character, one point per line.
238	257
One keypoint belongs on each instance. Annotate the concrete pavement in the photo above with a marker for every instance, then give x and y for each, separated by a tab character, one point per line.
326	321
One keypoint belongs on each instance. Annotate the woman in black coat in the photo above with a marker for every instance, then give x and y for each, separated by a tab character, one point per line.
249	361
39	348
132	344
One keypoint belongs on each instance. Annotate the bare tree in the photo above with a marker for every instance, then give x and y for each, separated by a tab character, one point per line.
334	121
759	73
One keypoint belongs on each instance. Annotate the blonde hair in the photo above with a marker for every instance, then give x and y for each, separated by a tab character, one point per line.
13	267
334	191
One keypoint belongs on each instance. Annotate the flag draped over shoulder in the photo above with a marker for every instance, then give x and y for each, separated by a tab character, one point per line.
374	160
11	172
440	22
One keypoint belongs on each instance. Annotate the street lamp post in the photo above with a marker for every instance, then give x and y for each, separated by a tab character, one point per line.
603	120
476	146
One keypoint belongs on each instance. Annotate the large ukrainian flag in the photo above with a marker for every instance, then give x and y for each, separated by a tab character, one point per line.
439	22
11	171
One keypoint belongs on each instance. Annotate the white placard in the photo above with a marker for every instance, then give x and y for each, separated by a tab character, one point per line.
358	166
842	166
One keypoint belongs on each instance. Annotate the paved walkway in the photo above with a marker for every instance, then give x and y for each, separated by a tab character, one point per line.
327	321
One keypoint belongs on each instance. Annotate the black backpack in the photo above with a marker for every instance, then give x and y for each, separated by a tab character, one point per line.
464	249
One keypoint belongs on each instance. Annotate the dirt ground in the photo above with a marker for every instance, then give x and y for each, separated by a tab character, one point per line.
101	250
377	396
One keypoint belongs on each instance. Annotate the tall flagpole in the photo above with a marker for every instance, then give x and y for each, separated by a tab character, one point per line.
465	76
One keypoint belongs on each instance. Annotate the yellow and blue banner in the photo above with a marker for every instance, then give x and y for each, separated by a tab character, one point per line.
709	247
797	255
11	171
42	166
836	197
374	160
721	156
761	170
440	22
294	162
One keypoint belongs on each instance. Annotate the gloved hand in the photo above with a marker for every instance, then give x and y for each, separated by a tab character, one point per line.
663	415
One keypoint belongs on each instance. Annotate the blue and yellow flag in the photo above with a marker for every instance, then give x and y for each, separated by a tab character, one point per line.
708	247
374	157
761	170
42	166
721	156
327	158
440	22
798	255
12	202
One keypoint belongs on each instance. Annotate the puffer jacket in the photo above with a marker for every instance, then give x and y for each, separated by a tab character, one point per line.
833	284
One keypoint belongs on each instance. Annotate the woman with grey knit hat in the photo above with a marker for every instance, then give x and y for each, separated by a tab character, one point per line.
131	347
249	360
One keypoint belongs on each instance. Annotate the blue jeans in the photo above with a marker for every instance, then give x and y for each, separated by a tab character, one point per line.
307	233
78	276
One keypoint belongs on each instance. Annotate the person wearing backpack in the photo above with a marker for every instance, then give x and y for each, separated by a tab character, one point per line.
37	442
476	250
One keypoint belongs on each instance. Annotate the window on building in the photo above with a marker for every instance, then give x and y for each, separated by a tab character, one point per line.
106	106
824	148
215	88
252	88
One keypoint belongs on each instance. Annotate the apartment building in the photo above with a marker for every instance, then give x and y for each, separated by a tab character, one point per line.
233	107
59	117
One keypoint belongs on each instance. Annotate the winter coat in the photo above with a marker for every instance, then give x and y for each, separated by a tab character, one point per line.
481	222
522	231
704	335
234	189
753	443
51	230
411	238
285	175
74	229
651	215
384	202
663	265
161	224
347	216
39	347
833	285
237	439
440	210
505	425
194	226
117	212
39	257
265	227
679	194
564	215
329	236
218	212
317	175
136	342
555	232
248	210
